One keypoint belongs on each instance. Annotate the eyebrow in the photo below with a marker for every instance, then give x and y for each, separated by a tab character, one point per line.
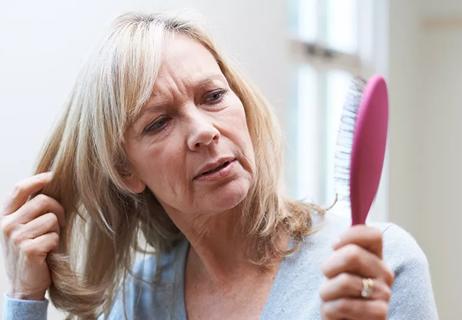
157	106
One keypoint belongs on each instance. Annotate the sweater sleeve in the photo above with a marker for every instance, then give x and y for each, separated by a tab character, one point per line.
16	309
412	293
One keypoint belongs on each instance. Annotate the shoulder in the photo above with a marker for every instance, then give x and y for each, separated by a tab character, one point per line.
401	252
399	246
412	289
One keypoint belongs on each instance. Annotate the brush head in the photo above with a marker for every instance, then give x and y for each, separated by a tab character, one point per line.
361	145
345	139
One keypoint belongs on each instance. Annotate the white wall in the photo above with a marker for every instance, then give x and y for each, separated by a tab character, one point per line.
43	43
426	148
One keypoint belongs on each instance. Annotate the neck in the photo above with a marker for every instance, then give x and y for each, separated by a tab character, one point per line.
218	246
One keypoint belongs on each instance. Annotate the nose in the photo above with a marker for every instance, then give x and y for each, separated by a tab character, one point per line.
202	133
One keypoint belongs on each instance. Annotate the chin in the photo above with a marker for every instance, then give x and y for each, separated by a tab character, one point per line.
230	196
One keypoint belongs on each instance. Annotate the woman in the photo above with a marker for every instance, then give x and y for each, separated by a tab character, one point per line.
163	139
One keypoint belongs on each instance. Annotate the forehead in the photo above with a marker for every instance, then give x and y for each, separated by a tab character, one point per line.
185	62
185	59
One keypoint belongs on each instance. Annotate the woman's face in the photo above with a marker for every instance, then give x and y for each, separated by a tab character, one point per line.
191	145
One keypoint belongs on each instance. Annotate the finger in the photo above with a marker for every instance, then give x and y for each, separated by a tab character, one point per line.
358	309
24	189
34	208
44	224
364	236
355	260
38	248
347	285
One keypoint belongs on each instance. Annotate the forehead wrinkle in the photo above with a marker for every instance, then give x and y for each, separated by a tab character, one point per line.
170	88
156	106
190	82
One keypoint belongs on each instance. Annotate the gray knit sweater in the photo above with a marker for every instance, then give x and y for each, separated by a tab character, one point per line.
295	291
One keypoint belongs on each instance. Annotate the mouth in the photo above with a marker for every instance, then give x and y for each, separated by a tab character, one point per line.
215	167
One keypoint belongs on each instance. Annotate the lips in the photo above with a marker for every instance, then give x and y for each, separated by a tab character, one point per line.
214	166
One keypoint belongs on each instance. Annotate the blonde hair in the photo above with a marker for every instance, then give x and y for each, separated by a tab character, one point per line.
103	218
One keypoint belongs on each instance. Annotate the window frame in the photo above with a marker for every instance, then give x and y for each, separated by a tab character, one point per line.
371	57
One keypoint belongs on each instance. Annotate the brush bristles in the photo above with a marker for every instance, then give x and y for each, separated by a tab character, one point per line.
344	145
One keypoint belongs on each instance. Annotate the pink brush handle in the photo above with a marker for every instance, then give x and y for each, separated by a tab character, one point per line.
368	152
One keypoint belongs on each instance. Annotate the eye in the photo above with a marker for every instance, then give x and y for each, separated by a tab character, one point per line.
157	125
215	96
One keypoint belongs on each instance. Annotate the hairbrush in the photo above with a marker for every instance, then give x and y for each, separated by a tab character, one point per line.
361	145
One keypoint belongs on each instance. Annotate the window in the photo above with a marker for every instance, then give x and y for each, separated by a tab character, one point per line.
332	41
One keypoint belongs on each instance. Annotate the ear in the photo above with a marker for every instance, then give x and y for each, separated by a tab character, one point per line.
131	180
134	183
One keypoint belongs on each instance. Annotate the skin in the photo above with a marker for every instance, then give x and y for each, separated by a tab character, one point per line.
192	118
357	255
30	230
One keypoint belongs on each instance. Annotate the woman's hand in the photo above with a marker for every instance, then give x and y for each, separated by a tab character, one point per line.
30	230
357	256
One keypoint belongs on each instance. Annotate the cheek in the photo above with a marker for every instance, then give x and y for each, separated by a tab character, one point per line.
162	170
244	135
236	121
167	176
237	131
